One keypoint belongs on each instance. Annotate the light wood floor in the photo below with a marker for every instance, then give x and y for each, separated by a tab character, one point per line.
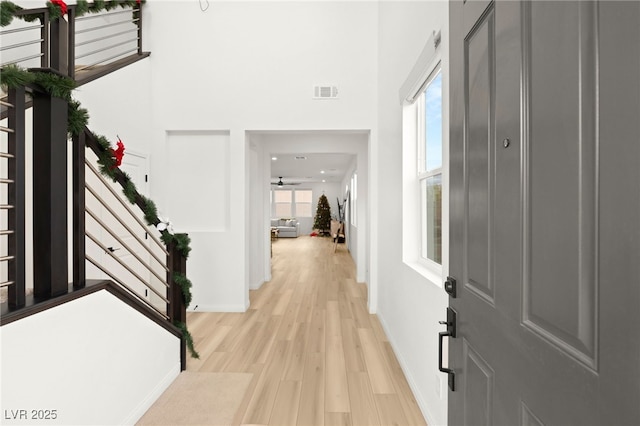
317	356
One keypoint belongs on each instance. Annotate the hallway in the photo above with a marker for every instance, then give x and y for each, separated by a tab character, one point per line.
317	357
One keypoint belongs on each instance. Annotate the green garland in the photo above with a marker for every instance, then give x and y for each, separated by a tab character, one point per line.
55	85
182	242
187	338
8	10
150	211
12	76
129	190
185	285
82	7
54	11
105	158
77	118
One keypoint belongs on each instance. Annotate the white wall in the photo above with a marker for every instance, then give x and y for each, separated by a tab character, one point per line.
409	306
255	241
251	67
119	104
95	360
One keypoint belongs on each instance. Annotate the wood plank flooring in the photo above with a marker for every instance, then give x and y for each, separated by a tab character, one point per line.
316	355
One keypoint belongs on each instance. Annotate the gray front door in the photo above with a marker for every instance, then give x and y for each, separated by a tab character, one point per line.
545	212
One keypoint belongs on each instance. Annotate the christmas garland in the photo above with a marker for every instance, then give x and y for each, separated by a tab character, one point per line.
58	8
12	76
185	285
187	338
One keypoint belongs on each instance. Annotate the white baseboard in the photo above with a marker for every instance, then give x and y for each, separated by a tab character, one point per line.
407	373
256	286
153	396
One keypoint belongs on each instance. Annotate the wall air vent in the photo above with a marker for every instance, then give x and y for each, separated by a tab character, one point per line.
325	92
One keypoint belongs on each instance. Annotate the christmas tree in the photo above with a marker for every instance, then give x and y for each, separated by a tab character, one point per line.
322	221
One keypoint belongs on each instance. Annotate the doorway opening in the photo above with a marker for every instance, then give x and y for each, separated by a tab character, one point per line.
303	159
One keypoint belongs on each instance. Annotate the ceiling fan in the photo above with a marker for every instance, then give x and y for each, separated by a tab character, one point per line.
281	183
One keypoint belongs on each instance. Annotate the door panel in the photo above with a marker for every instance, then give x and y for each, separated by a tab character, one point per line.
478	382
545	207
529	418
479	94
560	225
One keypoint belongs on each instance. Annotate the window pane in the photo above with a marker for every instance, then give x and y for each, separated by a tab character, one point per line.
433	124
283	196
303	196
283	210
432	218
303	210
354	199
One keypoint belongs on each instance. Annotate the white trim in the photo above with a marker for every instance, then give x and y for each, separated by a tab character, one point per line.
255	286
414	176
153	396
421	71
420	399
435	276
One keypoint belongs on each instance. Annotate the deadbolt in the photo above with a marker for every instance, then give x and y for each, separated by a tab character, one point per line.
450	286
506	142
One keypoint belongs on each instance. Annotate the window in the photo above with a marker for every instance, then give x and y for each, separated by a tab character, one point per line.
303	199
354	198
282	203
288	203
425	165
429	154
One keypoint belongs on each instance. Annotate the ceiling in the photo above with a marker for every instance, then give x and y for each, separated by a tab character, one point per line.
310	167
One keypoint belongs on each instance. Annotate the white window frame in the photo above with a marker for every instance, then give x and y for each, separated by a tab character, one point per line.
354	199
423	174
426	68
274	203
296	203
293	204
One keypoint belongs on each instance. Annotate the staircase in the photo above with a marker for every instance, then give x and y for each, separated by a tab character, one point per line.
93	296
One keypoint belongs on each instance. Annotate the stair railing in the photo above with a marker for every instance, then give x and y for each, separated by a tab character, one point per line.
81	47
113	205
12	180
50	217
163	262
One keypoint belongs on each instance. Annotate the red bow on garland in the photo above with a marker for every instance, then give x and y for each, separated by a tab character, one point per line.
61	4
118	153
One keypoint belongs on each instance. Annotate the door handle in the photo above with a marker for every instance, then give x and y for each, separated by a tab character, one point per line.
111	249
451	332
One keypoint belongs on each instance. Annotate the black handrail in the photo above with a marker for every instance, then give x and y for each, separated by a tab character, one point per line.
58	54
58	44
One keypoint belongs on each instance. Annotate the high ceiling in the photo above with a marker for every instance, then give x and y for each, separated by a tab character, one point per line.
310	167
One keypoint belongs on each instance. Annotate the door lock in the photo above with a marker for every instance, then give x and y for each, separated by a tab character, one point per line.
451	332
450	322
450	286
